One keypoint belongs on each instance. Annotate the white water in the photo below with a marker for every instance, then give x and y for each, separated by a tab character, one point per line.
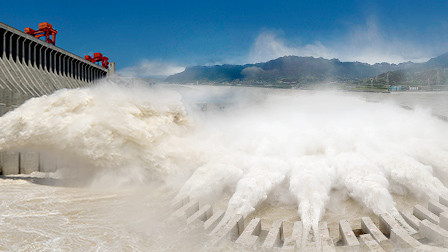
290	148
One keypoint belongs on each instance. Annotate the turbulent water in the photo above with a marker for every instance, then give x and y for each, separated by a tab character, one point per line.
129	148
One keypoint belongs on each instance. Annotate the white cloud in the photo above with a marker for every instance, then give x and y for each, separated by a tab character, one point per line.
147	69
268	45
364	43
251	72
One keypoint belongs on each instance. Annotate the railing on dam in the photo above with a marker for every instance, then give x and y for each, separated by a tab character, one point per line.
30	67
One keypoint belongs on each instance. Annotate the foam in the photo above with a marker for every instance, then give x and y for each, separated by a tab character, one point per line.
303	144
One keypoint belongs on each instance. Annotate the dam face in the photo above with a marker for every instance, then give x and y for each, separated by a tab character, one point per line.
30	67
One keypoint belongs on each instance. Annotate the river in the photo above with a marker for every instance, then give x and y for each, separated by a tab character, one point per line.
50	212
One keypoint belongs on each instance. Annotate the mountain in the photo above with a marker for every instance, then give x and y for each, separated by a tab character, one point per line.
430	73
440	61
288	69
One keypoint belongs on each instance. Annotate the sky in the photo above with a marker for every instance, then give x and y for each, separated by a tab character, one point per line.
159	38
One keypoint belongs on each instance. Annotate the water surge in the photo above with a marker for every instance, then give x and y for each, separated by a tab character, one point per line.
249	143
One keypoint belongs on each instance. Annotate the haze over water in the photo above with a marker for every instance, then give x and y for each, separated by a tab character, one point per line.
126	151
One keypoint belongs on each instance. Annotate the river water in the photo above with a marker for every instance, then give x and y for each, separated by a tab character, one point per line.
53	212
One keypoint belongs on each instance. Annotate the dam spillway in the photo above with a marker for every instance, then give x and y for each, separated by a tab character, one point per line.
30	67
427	231
243	231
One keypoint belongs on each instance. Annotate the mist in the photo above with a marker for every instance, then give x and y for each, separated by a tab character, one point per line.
247	145
365	42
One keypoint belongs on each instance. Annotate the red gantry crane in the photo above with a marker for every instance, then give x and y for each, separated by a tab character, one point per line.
98	57
45	30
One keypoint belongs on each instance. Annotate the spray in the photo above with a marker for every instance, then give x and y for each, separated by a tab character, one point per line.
311	143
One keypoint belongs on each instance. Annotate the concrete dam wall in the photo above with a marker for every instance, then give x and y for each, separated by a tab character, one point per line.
30	67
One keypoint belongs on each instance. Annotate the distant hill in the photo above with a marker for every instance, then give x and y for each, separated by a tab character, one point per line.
432	72
440	61
288	69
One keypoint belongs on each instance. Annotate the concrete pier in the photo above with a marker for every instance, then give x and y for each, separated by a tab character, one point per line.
26	162
213	221
413	221
370	228
185	211
29	162
203	214
348	236
444	220
275	236
434	233
294	241
424	214
443	199
436	207
47	163
229	231
326	241
402	240
178	203
10	162
369	244
251	235
387	223
389	235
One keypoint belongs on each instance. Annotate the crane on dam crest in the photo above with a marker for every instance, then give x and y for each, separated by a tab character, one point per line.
45	30
32	67
98	57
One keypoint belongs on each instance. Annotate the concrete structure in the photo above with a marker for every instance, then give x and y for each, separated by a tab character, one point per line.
434	233
185	211
25	162
229	231
347	236
387	223
369	244
436	207
204	213
213	221
370	228
47	163
413	221
251	234
29	162
443	199
30	67
10	162
275	237
111	68
294	240
402	240
326	241
444	220
424	214
389	235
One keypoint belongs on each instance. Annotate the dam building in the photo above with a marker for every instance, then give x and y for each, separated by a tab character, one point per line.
31	67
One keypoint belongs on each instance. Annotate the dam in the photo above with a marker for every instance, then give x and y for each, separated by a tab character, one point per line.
31	67
130	135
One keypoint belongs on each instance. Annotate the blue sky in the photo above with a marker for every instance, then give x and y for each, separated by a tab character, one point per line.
156	38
